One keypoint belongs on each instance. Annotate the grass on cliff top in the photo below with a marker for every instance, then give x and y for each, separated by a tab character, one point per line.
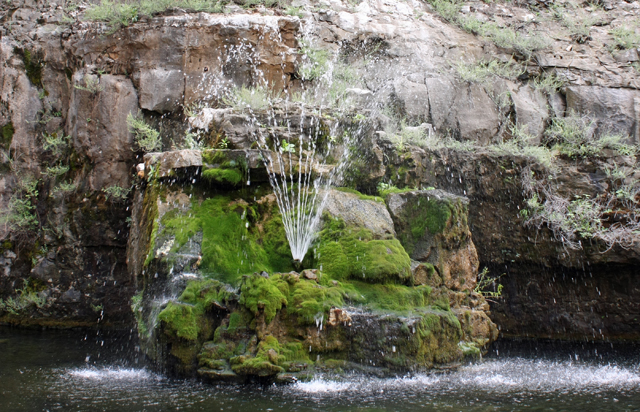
121	13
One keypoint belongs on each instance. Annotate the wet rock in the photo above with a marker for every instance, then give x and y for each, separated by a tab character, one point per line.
167	162
432	226
311	274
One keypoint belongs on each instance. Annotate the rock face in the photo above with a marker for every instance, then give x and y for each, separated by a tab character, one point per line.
225	305
68	158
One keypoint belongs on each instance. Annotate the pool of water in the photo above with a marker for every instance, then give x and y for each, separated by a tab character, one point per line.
97	371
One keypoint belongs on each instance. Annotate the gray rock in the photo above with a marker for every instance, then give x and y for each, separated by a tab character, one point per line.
166	162
369	214
413	99
614	110
531	111
161	90
97	123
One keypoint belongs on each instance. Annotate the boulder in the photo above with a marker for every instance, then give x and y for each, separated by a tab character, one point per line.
432	226
161	90
357	211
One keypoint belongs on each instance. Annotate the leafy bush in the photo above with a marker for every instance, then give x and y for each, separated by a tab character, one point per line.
27	297
146	137
116	192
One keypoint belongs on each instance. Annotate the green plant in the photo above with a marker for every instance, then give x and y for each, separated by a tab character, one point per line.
146	137
193	109
625	38
91	84
314	64
28	297
486	285
56	142
115	192
482	71
548	83
253	98
21	212
575	136
64	187
505	37
286	147
293	11
55	171
223	143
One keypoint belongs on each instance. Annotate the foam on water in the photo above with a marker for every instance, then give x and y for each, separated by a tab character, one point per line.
112	373
499	376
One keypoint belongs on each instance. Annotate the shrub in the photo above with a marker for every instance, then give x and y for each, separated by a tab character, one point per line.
91	84
575	136
254	98
315	62
116	192
146	137
56	142
21	212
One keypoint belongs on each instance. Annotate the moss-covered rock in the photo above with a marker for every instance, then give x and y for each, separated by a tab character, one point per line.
349	252
432	226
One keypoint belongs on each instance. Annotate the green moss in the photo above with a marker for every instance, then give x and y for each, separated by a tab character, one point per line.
386	192
231	177
395	298
181	321
7	135
214	157
307	300
260	294
360	195
236	240
34	65
348	252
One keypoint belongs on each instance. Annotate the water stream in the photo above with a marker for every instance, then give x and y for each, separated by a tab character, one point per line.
91	371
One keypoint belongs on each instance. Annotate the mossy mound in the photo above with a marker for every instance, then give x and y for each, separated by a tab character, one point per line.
346	252
237	237
187	322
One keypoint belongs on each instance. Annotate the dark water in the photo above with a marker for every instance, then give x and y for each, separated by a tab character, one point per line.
80	371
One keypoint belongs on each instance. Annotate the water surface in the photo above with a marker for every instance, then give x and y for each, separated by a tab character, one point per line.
91	371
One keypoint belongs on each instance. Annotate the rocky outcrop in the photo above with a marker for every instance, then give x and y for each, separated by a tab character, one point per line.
224	303
67	89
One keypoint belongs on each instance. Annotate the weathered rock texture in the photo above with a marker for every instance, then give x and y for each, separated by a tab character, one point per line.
78	80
